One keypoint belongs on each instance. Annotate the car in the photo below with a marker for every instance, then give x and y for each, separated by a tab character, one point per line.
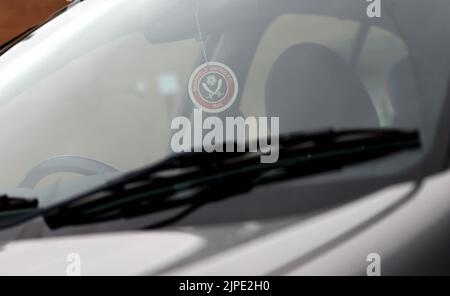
293	137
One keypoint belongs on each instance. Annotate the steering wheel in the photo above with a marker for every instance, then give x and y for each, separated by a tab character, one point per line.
65	164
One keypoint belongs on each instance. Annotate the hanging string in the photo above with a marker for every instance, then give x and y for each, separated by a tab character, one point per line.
202	40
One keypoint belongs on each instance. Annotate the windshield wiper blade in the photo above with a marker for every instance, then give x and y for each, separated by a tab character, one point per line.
8	203
288	144
199	178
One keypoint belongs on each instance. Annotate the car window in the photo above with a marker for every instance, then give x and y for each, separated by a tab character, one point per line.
120	94
106	80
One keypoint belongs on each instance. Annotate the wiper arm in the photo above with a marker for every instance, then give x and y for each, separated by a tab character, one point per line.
8	203
199	178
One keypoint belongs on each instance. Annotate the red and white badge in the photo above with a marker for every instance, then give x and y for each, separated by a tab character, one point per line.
213	87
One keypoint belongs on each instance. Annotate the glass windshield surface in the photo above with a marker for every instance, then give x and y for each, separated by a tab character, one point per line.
92	94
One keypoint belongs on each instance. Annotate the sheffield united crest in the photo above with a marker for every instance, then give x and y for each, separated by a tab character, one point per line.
213	87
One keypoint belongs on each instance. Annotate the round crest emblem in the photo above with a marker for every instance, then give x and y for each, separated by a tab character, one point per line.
213	87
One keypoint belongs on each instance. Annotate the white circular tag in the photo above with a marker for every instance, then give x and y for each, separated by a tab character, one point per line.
213	87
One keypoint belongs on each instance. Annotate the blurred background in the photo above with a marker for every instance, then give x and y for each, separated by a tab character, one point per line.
18	15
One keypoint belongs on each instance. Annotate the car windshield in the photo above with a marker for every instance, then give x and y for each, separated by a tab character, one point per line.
100	90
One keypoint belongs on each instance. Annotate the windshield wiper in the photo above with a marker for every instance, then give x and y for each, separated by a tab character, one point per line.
195	179
8	203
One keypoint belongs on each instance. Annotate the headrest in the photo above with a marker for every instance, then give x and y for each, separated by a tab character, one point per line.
310	87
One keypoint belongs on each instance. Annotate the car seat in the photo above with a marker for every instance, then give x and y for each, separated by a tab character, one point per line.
403	94
310	87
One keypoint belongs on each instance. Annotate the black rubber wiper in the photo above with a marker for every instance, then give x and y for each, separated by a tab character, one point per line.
195	179
8	203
